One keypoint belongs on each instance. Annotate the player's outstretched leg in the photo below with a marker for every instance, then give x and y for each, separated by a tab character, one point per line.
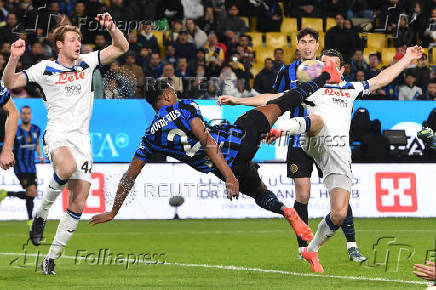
349	232
292	98
79	190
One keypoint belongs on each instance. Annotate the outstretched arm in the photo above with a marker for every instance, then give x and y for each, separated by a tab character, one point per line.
11	79
389	74
7	156
119	45
213	151
125	185
256	101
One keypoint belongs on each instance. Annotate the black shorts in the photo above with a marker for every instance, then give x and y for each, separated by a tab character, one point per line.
299	164
26	179
247	175
255	126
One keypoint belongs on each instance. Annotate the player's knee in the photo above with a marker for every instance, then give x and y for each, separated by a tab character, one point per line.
316	125
66	170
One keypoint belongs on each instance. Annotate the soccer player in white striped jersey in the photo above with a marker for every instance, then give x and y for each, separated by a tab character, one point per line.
67	86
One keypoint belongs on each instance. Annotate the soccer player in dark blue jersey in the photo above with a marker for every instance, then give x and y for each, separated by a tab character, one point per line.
178	130
26	143
7	105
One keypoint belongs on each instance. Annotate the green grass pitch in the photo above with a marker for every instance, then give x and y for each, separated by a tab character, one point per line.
242	254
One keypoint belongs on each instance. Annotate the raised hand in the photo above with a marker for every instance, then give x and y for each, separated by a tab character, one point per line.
106	21
18	48
413	52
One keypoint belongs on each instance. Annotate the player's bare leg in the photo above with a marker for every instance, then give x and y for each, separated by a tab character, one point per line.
339	198
79	191
64	164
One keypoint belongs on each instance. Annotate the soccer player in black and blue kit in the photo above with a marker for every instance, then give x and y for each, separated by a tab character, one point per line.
178	130
25	145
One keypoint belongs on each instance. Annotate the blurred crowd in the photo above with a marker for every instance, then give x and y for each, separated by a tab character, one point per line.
210	47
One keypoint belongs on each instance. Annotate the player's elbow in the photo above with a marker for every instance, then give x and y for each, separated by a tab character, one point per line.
125	47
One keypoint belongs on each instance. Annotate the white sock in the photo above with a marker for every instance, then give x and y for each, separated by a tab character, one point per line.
66	227
351	245
50	194
322	235
295	126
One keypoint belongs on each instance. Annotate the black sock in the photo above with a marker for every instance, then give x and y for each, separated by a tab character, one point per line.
348	226
29	206
269	201
301	209
295	96
19	194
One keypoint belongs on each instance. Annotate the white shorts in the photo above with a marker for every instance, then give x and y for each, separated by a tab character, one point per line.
331	154
80	146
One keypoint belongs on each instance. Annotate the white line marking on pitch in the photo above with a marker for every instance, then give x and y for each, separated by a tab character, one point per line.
246	269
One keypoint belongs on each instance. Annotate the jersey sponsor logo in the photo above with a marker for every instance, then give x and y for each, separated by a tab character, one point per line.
162	122
396	192
68	77
73	90
336	92
340	102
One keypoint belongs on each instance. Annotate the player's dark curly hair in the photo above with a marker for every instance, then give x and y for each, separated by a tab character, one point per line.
333	52
307	31
154	89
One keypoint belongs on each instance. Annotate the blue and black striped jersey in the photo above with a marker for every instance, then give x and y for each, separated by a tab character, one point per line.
24	149
4	95
171	134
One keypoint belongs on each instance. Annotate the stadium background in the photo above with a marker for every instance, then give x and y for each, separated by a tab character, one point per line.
220	59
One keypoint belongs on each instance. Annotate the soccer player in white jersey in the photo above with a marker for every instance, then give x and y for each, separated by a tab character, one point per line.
67	86
329	110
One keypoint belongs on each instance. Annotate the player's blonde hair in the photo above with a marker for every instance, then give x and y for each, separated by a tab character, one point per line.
59	33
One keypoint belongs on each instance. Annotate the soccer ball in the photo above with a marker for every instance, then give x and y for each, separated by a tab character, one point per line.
309	70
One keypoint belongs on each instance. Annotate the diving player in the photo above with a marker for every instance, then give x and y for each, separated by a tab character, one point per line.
178	130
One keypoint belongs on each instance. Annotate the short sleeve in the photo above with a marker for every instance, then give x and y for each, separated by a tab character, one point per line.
35	73
4	95
144	151
190	110
38	131
92	59
362	89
